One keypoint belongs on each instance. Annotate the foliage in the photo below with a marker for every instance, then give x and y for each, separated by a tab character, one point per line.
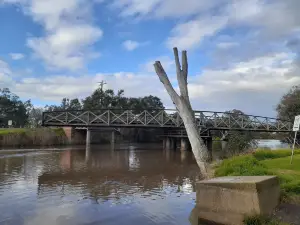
241	166
21	137
66	104
256	165
237	141
261	220
35	116
107	99
12	108
289	105
268	154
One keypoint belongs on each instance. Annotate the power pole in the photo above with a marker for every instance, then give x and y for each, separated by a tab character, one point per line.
101	84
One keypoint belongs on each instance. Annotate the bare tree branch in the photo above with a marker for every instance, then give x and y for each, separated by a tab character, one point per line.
177	62
184	65
163	77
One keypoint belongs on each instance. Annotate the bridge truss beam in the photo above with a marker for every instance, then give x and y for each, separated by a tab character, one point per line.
162	118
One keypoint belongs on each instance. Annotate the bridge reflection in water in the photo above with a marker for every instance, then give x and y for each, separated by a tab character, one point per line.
131	185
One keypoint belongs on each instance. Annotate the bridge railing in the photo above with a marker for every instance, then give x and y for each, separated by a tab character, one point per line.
163	118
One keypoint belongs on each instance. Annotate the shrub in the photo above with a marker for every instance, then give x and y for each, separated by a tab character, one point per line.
241	166
261	220
32	137
269	154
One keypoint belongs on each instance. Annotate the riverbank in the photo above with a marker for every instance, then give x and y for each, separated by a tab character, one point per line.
267	162
26	137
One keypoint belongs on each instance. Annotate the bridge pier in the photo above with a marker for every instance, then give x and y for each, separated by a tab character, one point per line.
184	145
113	140
88	137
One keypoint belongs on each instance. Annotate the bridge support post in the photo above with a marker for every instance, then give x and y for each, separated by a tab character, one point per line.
173	143
168	143
113	140
112	137
209	144
88	137
184	144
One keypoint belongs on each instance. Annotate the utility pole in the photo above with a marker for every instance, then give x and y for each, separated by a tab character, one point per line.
101	84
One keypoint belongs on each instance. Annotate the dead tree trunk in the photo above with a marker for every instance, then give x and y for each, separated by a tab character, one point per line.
184	108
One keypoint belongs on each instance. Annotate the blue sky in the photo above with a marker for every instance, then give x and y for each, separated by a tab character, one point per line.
242	54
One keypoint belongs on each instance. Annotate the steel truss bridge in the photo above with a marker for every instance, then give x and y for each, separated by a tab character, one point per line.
163	118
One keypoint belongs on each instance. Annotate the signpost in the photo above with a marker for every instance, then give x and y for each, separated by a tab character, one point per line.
296	127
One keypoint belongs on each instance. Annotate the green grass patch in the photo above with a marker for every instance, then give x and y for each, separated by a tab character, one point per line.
241	166
262	220
268	154
266	163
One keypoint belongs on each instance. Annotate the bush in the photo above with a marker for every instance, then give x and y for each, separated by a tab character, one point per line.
261	220
269	154
32	137
241	166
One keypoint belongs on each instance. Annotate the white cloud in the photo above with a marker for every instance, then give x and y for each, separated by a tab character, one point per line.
163	8
227	45
17	56
254	86
5	75
166	61
130	45
69	32
189	34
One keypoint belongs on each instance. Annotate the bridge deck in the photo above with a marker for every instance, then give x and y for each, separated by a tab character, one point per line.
162	118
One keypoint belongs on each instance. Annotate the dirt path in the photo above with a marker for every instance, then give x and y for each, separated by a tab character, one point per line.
288	213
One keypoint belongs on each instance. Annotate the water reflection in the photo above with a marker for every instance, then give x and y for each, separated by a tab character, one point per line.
98	186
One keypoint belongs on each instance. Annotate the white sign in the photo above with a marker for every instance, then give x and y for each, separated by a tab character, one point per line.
9	122
296	123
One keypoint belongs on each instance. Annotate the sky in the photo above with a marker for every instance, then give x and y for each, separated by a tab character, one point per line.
243	54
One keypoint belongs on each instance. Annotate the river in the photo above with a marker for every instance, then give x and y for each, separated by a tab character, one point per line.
133	184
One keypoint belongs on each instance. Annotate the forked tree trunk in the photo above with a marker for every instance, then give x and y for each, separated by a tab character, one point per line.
184	108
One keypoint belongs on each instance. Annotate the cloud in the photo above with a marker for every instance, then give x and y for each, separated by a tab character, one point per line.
163	8
254	86
69	32
189	35
17	56
227	45
130	45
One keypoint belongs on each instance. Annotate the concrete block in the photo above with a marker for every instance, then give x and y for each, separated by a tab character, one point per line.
227	200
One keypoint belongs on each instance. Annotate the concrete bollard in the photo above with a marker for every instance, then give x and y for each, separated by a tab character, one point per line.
227	200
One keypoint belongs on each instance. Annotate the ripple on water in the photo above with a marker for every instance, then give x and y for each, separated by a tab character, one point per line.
73	186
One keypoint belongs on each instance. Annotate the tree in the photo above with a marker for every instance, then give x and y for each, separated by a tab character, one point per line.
289	105
66	104
12	108
238	141
184	108
35	117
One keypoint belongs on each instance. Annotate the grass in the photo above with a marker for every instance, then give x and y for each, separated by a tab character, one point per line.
266	162
21	137
261	220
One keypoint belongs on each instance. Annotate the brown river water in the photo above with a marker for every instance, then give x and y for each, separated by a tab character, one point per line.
133	184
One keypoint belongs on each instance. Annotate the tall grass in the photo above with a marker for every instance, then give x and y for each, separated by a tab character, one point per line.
32	137
266	163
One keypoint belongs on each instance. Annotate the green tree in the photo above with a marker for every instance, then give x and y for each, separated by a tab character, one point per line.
237	140
289	105
12	108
